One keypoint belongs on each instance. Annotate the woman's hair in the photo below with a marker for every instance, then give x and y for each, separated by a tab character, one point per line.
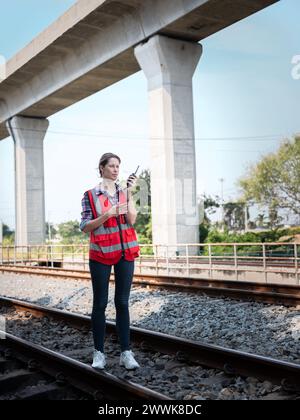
104	160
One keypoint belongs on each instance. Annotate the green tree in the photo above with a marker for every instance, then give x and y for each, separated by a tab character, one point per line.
210	206
260	220
8	235
274	218
234	216
7	231
143	224
70	232
274	181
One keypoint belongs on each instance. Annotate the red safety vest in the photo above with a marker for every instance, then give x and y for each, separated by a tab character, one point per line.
108	243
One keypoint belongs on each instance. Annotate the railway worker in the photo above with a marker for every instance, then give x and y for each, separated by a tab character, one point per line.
108	214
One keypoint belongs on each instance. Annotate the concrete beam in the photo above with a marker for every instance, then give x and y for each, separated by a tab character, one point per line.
91	47
28	135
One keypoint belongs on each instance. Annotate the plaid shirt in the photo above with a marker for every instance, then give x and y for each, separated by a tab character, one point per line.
87	214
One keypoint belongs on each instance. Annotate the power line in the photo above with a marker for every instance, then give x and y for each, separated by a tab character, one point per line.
237	150
270	137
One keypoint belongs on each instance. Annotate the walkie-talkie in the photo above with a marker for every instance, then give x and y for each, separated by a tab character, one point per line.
128	184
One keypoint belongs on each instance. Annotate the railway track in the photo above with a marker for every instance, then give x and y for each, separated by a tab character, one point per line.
229	363
66	378
262	292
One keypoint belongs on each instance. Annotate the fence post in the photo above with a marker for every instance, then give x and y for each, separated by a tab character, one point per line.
167	249
209	259
63	255
187	260
156	260
235	261
264	262
296	263
51	255
83	257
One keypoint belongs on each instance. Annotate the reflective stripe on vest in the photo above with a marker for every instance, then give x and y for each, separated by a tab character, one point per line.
129	245
96	202
105	249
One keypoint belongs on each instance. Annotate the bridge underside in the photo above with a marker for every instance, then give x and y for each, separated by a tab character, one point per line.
82	26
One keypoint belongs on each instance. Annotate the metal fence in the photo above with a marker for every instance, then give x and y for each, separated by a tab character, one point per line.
267	261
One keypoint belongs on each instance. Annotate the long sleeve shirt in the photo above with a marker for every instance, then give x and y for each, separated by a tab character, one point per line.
87	213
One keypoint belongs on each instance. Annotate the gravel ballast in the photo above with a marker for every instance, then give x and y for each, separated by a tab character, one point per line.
265	329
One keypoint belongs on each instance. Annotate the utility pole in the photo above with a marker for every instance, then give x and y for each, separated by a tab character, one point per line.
222	203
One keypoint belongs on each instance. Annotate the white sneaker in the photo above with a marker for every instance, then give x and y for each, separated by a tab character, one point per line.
98	360
127	360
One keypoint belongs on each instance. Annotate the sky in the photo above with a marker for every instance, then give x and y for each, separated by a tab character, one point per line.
246	101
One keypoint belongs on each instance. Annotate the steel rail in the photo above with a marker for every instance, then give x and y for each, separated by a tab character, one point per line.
80	375
262	292
232	362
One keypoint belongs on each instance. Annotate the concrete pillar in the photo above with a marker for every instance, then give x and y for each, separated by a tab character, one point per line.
28	135
169	65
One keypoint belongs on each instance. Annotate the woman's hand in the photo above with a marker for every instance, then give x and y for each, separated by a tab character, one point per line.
123	208
131	181
118	209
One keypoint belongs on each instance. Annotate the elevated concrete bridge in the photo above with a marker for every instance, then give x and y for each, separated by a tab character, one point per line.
93	45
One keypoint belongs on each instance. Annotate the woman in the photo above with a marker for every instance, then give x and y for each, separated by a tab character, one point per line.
108	214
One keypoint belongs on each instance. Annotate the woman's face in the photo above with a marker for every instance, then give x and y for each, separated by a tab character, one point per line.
111	169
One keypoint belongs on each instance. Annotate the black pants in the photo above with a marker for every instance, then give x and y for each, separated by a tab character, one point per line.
100	274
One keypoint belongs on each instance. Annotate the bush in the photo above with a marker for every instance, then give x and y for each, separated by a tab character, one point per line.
215	236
